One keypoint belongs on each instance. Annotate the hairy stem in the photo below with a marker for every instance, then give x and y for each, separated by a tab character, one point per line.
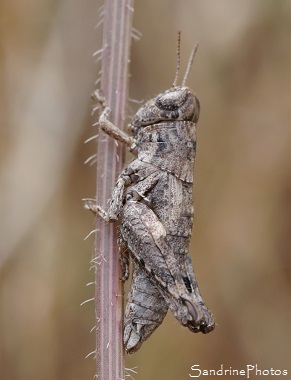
109	291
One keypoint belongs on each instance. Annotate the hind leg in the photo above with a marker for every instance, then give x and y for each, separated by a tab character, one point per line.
145	236
145	310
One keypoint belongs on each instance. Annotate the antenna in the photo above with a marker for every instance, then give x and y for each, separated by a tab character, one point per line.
191	59
178	58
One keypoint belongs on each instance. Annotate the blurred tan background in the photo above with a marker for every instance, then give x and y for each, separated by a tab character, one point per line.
241	240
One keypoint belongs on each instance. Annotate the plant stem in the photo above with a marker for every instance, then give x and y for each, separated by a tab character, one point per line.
109	290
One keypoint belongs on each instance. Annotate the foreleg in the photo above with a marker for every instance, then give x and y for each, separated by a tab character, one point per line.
109	128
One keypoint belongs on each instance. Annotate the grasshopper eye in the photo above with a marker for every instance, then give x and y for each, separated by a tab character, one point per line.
172	99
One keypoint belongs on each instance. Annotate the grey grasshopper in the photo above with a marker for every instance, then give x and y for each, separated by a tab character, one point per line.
152	199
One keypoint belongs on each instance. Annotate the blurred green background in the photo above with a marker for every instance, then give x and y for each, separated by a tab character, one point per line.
242	192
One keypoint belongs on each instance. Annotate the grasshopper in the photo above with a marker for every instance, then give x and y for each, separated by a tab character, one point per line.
152	199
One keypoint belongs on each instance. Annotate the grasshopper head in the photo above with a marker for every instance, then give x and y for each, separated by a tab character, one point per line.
177	103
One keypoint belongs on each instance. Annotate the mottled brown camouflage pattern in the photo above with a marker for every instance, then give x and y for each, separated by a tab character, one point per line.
153	200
